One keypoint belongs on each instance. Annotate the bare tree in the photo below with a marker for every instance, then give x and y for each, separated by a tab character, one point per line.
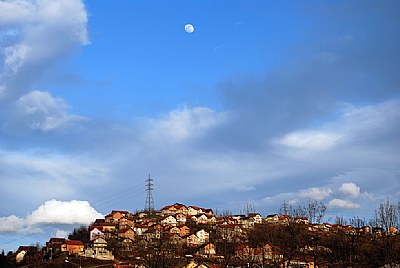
315	211
387	215
248	208
340	220
358	222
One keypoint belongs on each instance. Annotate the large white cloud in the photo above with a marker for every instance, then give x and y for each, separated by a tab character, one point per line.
51	212
60	212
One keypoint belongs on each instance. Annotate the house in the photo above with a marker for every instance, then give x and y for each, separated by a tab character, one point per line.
211	219
180	218
245	222
378	230
365	229
116	215
325	227
126	245
392	230
237	218
181	208
272	218
284	219
222	220
174	209
54	245
173	239
203	236
202	219
255	218
25	251
28	249
174	230
99	250
152	233
303	220
126	222
168	210
191	240
95	232
72	246
257	254
140	229
108	227
191	219
169	220
230	232
126	233
349	229
184	230
193	210
207	249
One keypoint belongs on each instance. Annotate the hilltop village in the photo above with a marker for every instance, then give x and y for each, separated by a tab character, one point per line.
191	236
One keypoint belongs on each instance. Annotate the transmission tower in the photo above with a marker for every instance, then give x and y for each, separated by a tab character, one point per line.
149	206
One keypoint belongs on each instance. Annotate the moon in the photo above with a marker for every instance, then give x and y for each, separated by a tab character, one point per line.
189	28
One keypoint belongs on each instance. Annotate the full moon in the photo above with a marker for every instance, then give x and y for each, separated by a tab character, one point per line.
189	28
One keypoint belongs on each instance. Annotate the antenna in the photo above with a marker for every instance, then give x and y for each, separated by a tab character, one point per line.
149	205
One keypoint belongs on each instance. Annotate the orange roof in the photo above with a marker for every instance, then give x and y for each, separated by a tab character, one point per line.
120	211
74	242
91	228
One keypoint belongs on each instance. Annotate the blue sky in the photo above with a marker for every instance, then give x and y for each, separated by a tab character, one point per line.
265	102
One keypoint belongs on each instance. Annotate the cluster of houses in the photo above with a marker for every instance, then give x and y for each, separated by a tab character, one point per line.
179	227
177	224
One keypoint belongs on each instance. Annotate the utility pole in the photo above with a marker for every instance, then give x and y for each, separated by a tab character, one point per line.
149	205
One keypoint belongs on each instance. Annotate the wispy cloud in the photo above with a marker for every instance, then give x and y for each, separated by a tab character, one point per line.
340	203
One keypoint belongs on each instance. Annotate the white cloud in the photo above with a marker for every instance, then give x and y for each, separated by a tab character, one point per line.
316	193
10	223
61	234
51	212
40	33
350	189
340	203
60	212
185	123
12	12
14	57
40	111
44	14
310	140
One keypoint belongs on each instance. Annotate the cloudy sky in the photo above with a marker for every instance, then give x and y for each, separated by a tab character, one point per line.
265	102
